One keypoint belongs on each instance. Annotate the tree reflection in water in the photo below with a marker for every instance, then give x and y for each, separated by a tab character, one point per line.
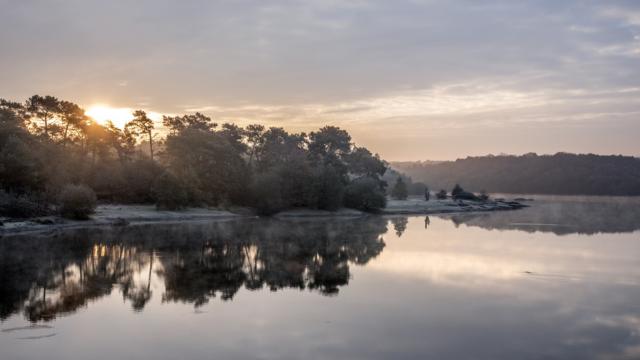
50	275
399	224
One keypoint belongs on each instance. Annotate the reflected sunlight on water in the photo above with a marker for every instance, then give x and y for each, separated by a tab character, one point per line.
484	286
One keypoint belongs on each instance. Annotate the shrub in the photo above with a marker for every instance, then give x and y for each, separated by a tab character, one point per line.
441	195
465	195
77	202
365	194
15	206
458	193
170	193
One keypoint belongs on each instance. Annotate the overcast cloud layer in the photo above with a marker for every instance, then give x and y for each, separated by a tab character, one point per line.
409	79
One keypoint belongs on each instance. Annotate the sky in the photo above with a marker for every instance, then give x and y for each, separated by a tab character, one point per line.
410	80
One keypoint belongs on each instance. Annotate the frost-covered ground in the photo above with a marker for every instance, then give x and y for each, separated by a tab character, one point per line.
122	215
417	205
118	215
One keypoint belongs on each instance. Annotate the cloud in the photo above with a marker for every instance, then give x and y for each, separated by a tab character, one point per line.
420	65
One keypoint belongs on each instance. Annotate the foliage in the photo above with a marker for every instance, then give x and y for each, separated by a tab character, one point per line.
362	162
71	116
42	109
210	163
18	165
142	125
47	143
441	195
399	191
458	193
170	193
197	121
139	177
329	144
267	194
21	206
413	187
558	174
19	154
77	202
365	194
328	185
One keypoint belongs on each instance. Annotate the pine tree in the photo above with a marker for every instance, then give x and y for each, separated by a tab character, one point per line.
399	191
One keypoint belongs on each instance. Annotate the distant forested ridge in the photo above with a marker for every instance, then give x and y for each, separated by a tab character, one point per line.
559	174
53	155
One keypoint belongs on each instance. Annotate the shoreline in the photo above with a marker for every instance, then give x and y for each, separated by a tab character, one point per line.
417	206
116	215
124	215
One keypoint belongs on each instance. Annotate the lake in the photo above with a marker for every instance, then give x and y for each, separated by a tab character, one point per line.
557	280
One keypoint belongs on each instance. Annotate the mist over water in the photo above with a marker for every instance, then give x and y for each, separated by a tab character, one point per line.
557	280
563	215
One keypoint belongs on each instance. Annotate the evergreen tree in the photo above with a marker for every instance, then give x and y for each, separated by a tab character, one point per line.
399	191
142	125
457	190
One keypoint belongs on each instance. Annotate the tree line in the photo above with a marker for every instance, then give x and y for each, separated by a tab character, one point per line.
48	145
559	174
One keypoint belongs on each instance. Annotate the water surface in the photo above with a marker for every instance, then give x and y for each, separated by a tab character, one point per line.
558	280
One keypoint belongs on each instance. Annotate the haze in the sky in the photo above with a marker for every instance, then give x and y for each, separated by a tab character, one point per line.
410	80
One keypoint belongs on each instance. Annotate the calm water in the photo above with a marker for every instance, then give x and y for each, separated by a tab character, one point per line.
559	280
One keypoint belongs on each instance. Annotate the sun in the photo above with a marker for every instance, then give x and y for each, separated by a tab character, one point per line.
103	113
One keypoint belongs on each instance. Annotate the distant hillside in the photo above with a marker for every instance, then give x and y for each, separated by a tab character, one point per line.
562	173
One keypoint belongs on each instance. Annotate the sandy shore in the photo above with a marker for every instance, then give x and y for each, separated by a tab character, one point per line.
123	215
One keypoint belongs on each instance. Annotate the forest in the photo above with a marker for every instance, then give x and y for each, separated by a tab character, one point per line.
559	174
53	157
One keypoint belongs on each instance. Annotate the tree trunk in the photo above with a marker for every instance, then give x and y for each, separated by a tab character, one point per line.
150	145
150	269
66	130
